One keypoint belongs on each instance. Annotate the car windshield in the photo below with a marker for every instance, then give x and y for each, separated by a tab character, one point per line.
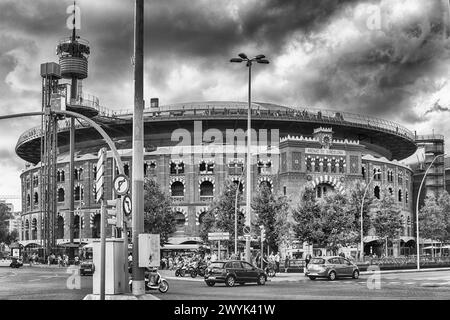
317	261
218	265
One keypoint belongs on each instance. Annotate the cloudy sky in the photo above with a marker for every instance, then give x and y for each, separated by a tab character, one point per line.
387	58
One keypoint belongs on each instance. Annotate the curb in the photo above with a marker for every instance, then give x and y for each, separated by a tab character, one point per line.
406	270
121	297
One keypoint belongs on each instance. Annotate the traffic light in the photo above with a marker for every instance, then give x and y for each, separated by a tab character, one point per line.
115	212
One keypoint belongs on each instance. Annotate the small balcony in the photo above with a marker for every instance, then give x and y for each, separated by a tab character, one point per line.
206	198
177	198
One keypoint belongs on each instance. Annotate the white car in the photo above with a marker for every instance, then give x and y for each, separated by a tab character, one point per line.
5	262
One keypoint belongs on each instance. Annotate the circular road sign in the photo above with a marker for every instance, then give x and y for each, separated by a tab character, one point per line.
246	229
121	184
126	205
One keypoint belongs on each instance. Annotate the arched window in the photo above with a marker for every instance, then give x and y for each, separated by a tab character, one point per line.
34	229
62	176
180	221
28	200
363	171
177	189
399	195
27	229
241	187
96	227
60	228
206	188
79	193
76	227
126	169
201	217
36	198
61	195
376	192
266	184
322	189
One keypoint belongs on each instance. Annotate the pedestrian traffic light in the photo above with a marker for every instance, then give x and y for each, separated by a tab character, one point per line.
115	212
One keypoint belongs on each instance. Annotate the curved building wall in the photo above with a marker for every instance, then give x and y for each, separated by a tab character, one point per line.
195	178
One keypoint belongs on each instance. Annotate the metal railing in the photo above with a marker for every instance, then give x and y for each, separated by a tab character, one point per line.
238	110
430	137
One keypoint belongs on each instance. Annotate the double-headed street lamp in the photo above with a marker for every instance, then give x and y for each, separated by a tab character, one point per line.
361	252
249	61
417	208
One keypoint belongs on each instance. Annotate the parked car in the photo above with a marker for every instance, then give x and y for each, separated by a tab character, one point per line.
16	263
232	272
5	262
331	268
87	267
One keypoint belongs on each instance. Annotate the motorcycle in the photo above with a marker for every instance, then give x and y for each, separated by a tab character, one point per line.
180	271
154	281
199	269
270	270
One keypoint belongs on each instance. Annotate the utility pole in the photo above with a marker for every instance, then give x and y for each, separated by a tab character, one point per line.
138	147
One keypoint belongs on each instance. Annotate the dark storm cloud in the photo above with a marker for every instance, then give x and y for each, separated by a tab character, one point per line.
436	108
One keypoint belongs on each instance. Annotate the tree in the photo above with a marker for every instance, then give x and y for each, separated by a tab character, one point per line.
158	215
272	213
223	211
5	215
337	222
208	225
326	222
354	199
13	236
432	218
386	220
308	219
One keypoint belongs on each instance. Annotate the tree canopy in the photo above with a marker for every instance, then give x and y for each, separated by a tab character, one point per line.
158	215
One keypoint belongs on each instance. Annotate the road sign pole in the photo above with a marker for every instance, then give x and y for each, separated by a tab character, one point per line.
218	250
102	249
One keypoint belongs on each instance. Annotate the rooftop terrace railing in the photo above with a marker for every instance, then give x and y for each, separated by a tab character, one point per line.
238	110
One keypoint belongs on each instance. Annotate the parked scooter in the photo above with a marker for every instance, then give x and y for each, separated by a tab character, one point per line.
154	281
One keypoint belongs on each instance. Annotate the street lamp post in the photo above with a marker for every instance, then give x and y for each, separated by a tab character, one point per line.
249	61
235	215
361	250
417	208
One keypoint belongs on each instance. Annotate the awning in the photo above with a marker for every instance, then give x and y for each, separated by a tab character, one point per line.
431	247
33	245
367	239
406	239
181	247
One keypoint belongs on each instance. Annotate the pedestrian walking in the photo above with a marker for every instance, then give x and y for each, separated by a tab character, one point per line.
277	262
307	260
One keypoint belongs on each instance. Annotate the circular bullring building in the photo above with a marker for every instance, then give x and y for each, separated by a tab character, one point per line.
193	149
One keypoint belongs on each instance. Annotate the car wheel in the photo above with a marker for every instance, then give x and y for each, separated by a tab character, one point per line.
177	273
182	273
312	278
261	280
210	283
230	281
355	274
332	276
193	274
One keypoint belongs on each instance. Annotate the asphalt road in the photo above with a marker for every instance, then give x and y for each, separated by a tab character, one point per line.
55	284
404	286
49	283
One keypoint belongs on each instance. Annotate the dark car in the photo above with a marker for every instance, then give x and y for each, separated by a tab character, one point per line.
232	272
87	267
16	263
331	268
